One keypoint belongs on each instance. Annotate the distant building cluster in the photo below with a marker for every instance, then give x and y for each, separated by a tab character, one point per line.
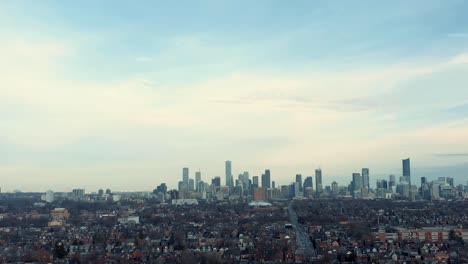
264	188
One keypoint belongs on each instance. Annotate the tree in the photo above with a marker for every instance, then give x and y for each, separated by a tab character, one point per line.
59	250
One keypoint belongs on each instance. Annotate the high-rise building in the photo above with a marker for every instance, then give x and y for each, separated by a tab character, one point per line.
216	181
365	178
197	179
266	179
229	177
308	183
391	182
450	181
423	181
318	181
181	186
255	181
407	170
334	187
273	184
384	184
357	181
191	187
297	191
246	180
299	180
185	178
201	187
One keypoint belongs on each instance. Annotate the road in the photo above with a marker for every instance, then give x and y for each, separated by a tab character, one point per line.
304	245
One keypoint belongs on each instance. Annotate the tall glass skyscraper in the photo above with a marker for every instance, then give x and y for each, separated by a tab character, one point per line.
229	178
197	179
299	180
266	179
318	181
185	177
407	170
365	178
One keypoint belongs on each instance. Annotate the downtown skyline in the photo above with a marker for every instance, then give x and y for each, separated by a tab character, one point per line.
123	95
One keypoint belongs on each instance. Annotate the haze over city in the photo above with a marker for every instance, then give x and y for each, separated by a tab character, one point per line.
123	95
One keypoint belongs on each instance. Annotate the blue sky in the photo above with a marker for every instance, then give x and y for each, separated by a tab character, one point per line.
95	93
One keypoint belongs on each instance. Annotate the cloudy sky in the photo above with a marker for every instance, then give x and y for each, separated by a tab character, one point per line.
123	94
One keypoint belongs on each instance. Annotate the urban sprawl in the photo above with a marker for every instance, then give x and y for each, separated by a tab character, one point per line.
246	220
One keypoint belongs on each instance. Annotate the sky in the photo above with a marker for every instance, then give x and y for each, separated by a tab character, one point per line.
124	94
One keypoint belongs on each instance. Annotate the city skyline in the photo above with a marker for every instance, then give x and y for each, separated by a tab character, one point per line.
124	94
187	175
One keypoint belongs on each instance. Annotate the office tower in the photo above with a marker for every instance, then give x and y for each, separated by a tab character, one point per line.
201	187
334	187
365	178
357	182
266	179
108	191
197	179
384	184
379	184
308	183
185	178
246	178
101	192
273	184
435	191
450	181
318	181
191	187
181	186
255	181
297	191
229	177
407	170
299	180
216	181
391	182
423	181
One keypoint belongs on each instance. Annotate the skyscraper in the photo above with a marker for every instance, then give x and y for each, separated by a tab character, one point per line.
299	180
216	182
266	179
391	182
365	178
308	182
318	181
423	181
191	187
334	187
357	182
197	179
255	181
185	178
407	170
229	178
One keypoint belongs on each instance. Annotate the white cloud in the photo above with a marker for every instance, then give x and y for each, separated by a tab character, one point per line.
46	110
